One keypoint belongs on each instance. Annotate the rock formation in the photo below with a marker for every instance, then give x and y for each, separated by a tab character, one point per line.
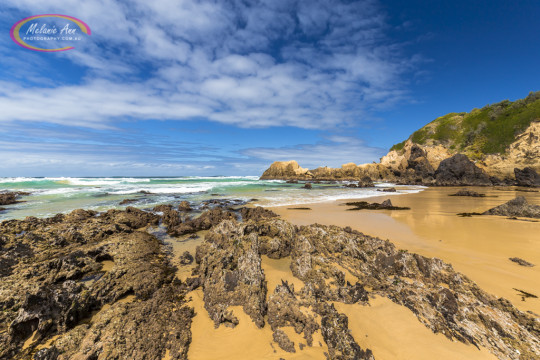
286	170
518	207
88	285
459	170
11	197
527	177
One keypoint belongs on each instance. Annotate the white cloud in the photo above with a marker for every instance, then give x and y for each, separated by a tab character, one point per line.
306	64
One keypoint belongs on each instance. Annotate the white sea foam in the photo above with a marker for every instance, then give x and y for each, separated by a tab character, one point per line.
319	196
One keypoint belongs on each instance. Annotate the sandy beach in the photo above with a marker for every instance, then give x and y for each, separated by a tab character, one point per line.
478	246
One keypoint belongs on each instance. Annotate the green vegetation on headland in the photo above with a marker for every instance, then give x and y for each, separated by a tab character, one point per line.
489	130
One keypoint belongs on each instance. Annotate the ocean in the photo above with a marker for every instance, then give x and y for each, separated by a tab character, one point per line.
50	196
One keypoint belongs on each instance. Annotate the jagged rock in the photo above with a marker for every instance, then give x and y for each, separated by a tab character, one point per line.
335	331
11	197
230	269
527	177
516	207
204	222
61	285
365	182
465	192
351	294
419	163
521	262
256	213
392	189
127	201
284	310
364	205
459	170
283	341
186	258
184	206
286	170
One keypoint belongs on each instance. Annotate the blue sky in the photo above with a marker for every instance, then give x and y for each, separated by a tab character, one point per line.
171	87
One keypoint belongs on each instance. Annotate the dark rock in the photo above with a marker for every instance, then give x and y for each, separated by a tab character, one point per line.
256	213
231	273
127	201
518	207
207	219
465	192
419	163
307	186
186	258
365	182
364	205
387	189
283	341
527	177
11	197
184	206
284	310
54	297
335	331
459	170
292	181
521	262
352	294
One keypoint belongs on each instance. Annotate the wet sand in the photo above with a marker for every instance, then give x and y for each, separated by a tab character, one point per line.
478	246
245	341
392	331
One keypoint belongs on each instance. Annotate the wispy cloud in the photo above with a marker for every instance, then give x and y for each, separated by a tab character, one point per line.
308	64
333	152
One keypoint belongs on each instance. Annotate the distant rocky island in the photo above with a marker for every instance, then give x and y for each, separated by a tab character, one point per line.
496	145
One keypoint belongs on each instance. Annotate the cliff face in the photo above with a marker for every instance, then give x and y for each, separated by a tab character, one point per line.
290	170
523	152
498	138
286	170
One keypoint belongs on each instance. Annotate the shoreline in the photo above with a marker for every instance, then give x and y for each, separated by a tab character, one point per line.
479	247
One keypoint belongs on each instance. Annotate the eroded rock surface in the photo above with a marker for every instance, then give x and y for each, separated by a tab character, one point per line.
527	177
83	286
323	257
459	170
518	207
88	286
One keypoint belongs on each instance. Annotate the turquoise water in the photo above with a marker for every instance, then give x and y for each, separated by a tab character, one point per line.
50	196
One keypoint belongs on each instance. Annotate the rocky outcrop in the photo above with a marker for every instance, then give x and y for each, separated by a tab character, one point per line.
11	197
292	172
458	171
523	152
87	285
335	331
518	207
470	193
442	299
527	177
364	205
79	286
400	160
285	170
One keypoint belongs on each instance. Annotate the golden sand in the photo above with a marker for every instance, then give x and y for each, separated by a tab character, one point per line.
107	265
392	332
277	270
478	246
245	341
